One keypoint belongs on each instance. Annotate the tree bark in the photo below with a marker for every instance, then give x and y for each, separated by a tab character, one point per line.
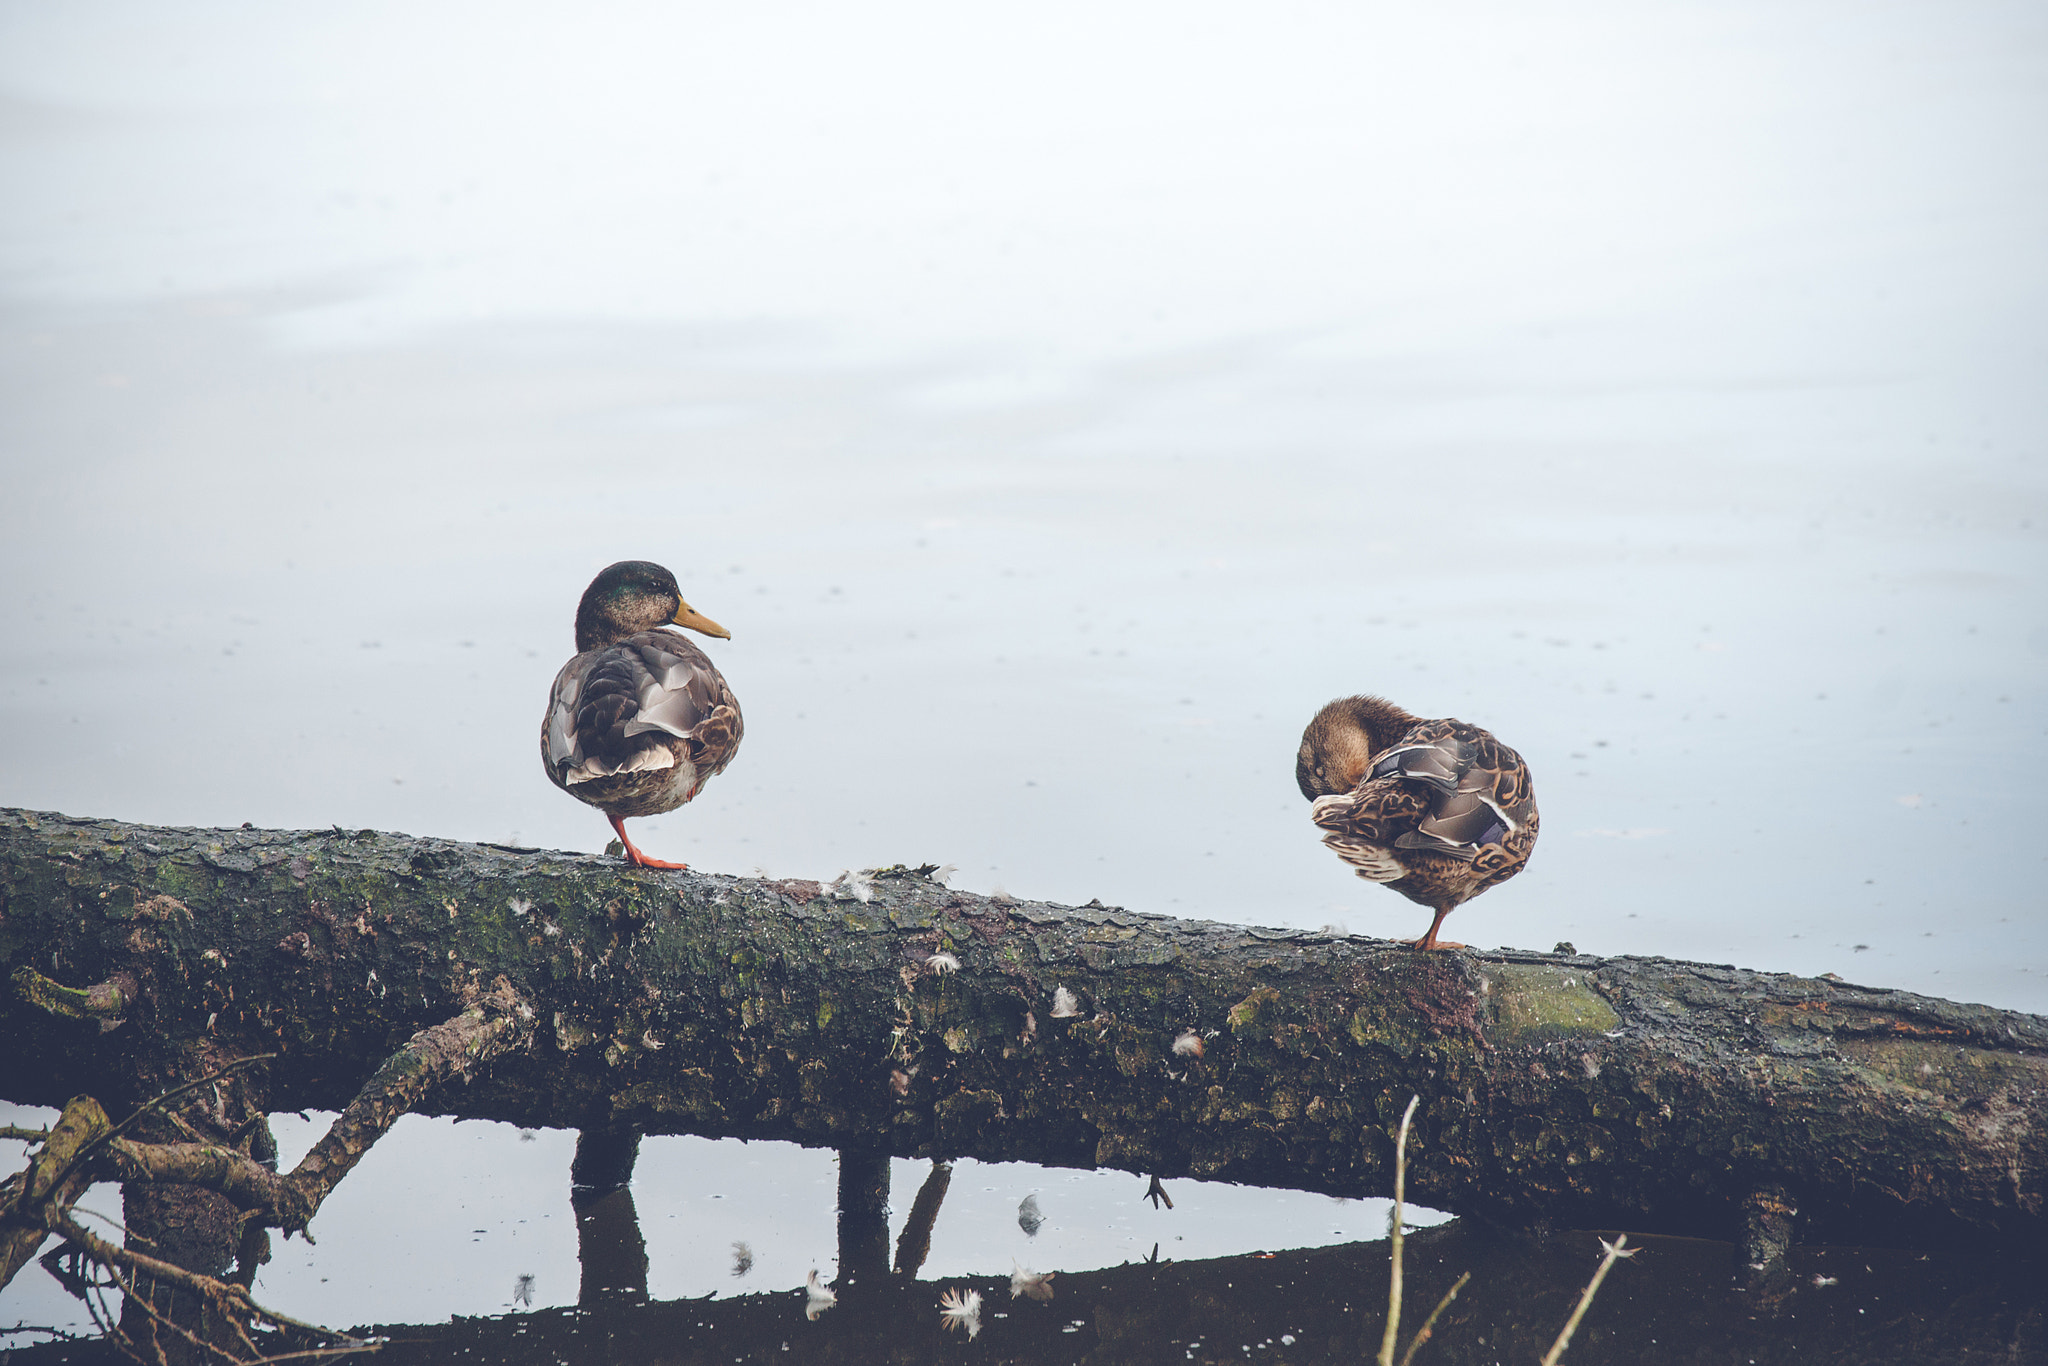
1639	1093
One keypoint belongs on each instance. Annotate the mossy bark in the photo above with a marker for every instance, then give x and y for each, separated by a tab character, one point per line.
1636	1093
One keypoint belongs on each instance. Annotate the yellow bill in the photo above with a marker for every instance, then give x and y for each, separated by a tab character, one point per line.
689	616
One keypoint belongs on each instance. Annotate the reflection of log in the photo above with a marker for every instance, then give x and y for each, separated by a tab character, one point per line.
604	1160
610	1249
609	1246
1640	1093
1666	1307
863	1220
1670	1306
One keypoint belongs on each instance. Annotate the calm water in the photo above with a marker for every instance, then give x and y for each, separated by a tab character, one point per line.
1055	421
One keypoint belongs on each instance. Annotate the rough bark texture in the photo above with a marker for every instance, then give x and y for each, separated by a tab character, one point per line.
51	1182
1637	1093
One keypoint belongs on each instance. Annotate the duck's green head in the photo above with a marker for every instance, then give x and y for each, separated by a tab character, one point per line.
634	596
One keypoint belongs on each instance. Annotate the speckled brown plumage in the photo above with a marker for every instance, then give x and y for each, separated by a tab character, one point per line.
640	719
1439	811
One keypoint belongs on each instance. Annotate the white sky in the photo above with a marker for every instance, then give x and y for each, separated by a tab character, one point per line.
1070	180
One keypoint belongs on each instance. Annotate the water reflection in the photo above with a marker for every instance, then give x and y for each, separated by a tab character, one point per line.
1657	389
1675	1303
488	1208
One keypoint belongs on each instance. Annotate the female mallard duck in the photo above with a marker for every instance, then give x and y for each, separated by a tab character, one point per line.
1437	810
639	720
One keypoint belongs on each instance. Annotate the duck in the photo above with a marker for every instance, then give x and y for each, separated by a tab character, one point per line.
640	718
1437	810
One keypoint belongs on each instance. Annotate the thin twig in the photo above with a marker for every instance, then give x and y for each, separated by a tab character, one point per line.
271	1316
226	1294
1429	1324
127	1236
1394	1275
112	1255
349	1348
157	1317
1618	1248
125	1125
93	1295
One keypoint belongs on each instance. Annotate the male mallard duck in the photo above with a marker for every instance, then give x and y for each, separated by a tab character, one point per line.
640	719
1437	810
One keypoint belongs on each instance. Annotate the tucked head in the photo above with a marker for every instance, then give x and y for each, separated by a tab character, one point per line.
1338	746
634	596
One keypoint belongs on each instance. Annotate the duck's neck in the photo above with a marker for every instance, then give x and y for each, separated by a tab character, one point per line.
605	619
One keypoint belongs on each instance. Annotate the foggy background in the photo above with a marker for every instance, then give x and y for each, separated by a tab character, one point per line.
1058	405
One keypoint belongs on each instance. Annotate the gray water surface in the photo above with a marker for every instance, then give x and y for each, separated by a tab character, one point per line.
1056	422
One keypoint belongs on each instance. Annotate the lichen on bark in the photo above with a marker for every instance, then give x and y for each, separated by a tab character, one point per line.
1635	1093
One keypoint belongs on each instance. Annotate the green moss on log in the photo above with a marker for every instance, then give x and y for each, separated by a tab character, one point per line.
1628	1092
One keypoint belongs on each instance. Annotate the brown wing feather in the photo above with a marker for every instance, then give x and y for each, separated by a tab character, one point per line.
1477	788
1377	811
1448	801
641	704
716	738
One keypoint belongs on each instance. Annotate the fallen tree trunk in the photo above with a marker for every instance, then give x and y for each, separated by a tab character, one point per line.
1638	1093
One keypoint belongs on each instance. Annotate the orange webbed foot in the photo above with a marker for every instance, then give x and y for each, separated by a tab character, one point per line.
640	860
1430	941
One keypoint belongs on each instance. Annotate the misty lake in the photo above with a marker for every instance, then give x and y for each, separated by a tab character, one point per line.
1057	407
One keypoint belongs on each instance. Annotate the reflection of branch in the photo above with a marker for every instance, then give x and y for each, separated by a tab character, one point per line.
157	1320
231	1301
85	1143
914	1244
113	1255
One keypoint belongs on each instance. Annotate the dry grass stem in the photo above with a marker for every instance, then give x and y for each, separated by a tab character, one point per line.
1394	1273
1429	1324
1617	1249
